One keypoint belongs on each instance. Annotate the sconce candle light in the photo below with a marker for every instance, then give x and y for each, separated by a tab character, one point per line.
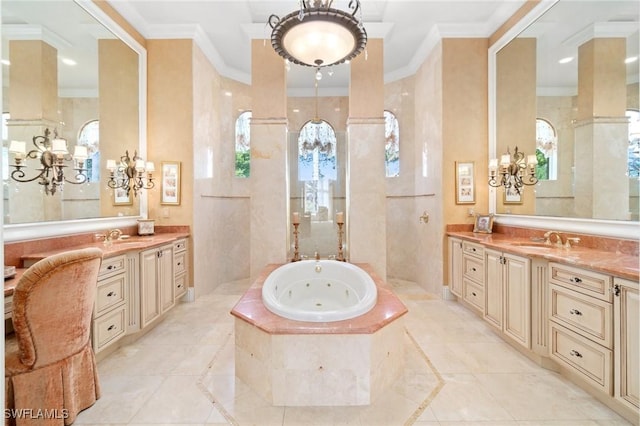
52	154
514	171
129	173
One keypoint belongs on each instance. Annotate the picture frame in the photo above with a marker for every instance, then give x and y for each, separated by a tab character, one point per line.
170	183
511	196
465	182
483	224
121	197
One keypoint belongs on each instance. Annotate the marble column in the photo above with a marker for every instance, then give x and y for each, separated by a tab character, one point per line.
366	186
601	133
33	107
269	216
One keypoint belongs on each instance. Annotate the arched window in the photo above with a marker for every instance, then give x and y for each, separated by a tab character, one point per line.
89	136
392	144
243	144
317	166
634	143
546	150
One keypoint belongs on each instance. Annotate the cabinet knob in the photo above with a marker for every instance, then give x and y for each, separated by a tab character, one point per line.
575	353
111	327
575	280
111	294
111	267
473	293
473	269
575	312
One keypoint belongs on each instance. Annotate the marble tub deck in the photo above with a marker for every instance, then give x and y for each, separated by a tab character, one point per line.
338	363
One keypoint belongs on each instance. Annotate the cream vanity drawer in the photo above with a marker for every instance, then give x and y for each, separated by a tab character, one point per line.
473	268
181	285
586	282
111	292
108	328
473	249
112	265
590	360
586	315
179	263
180	245
473	293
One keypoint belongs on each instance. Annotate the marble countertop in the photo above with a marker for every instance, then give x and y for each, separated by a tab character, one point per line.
133	243
608	262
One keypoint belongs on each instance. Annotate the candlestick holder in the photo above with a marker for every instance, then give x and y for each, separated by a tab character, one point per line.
340	255
296	254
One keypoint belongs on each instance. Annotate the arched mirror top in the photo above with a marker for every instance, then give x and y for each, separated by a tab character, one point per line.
99	27
560	203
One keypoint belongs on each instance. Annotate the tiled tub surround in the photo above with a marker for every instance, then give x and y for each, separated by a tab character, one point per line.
340	363
612	256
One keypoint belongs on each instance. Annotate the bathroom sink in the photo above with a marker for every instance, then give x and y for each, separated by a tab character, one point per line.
533	245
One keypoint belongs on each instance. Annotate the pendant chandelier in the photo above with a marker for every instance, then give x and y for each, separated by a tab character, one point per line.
317	35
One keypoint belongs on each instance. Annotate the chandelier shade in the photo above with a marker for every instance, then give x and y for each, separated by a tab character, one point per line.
318	36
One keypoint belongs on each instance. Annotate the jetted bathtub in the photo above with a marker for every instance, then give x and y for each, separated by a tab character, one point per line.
319	291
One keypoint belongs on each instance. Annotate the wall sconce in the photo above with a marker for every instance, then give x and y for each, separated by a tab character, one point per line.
52	155
129	173
514	172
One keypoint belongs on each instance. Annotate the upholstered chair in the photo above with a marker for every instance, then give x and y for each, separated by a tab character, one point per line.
50	367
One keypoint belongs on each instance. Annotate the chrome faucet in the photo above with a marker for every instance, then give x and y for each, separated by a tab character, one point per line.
548	235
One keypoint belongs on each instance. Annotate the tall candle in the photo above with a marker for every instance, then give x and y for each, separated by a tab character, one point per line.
296	218
340	217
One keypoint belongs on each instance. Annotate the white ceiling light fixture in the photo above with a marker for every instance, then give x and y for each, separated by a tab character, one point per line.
317	35
630	59
566	60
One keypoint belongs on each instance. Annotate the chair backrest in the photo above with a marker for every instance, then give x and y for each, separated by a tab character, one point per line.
53	304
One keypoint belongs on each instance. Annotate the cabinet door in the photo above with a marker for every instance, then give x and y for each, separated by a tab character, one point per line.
493	288
149	294
166	278
627	342
455	266
517	299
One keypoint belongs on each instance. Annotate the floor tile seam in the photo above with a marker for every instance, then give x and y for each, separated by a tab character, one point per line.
203	388
149	398
434	392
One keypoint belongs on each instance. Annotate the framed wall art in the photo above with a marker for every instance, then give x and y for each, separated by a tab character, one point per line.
465	183
511	196
170	183
121	197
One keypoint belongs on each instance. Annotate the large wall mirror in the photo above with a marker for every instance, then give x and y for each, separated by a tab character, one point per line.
69	70
564	87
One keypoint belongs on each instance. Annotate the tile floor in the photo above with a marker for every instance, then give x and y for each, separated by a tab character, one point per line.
458	372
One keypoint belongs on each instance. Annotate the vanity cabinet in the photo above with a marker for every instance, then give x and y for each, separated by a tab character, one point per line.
180	258
473	285
627	342
156	283
581	323
110	307
455	266
508	295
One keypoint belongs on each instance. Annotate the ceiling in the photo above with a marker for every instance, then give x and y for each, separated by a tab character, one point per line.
223	29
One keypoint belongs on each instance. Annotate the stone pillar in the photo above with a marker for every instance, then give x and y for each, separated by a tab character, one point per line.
366	186
269	216
601	131
33	105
